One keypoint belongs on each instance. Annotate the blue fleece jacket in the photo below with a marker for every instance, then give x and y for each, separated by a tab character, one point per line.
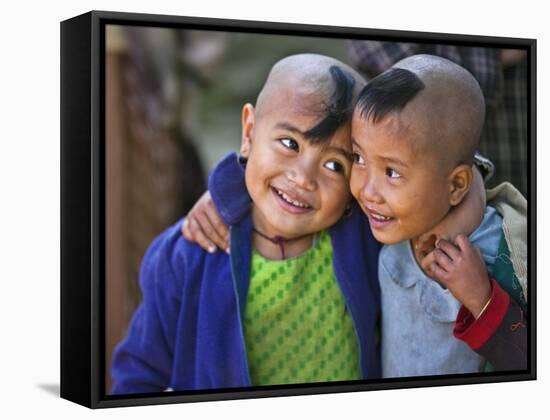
187	334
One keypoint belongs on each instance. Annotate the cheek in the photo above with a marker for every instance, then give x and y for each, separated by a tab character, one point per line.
264	161
417	209
248	177
254	178
403	203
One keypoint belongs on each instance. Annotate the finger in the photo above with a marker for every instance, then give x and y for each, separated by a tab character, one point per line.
427	261
184	229
428	272
448	248
186	232
438	274
218	224
188	227
199	237
442	259
208	230
441	237
463	243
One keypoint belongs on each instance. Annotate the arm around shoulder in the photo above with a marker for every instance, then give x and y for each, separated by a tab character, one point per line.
499	334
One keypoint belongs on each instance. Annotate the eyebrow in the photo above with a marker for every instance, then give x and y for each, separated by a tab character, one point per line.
289	127
342	152
339	150
394	160
384	158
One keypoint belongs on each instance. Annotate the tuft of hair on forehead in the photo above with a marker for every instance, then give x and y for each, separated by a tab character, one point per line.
388	92
338	109
329	86
438	98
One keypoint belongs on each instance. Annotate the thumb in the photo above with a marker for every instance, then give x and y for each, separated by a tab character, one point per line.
438	274
463	243
427	262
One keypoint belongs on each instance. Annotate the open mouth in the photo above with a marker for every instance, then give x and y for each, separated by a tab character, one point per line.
289	203
378	220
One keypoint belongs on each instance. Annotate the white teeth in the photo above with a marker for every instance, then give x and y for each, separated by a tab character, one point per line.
290	200
379	217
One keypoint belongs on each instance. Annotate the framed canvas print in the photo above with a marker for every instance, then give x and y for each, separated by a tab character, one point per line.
254	209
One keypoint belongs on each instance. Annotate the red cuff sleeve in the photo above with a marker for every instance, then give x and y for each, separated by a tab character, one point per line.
476	332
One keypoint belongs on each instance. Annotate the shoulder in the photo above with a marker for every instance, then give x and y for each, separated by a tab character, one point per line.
171	246
490	226
170	256
492	217
390	252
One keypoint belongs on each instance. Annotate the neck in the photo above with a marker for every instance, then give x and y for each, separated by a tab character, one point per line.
278	247
264	242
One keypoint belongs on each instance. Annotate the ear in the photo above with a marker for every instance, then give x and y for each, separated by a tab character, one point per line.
247	122
460	181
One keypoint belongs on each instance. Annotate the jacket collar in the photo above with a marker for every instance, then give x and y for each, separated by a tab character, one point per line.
240	255
355	258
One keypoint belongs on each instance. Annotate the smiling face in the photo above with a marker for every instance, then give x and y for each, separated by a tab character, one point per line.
401	186
297	188
415	129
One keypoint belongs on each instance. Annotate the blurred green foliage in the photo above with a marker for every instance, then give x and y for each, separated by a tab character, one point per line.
238	78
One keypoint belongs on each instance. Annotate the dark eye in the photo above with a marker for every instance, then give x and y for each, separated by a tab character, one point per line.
290	144
392	173
334	166
357	158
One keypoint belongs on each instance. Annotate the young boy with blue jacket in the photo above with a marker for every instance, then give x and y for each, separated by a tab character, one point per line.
297	298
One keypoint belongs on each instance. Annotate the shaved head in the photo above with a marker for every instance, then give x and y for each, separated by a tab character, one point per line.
434	98
312	84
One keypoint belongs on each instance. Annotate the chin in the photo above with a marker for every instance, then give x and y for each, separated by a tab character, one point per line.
386	239
287	230
294	233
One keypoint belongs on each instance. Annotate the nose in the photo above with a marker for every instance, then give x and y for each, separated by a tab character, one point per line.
369	190
303	175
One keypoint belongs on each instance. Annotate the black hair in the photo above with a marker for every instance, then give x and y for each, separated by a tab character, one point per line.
388	92
338	110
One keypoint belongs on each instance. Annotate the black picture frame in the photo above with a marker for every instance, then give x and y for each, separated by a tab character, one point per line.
83	183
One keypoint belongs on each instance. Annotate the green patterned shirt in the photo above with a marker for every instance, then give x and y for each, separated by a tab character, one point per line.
297	327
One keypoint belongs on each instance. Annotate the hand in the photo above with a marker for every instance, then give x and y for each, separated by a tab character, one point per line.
204	226
460	268
426	243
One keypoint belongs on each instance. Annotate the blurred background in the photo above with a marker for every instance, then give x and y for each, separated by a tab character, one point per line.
173	109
